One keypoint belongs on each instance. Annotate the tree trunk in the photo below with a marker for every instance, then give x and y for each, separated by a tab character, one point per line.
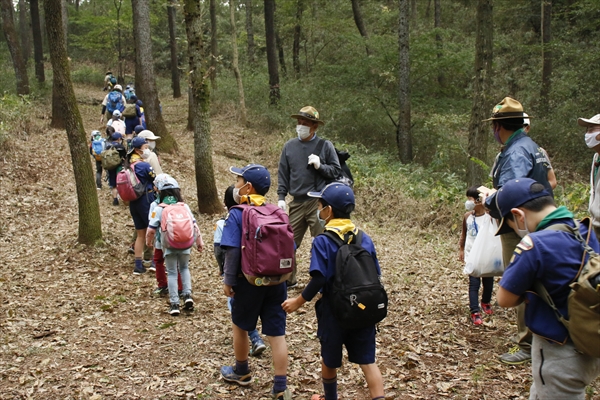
249	32
12	40
403	135
280	53
24	31
297	33
172	13
360	24
206	188
65	23
274	94
236	69
546	55
213	44
437	23
120	59
145	78
90	228
191	108
478	130
38	50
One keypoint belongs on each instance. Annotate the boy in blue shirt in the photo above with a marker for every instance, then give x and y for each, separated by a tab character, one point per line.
527	208
336	202
250	302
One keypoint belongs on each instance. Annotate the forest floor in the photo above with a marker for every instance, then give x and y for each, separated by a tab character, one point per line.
75	323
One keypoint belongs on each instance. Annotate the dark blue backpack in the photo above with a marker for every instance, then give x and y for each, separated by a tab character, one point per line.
115	102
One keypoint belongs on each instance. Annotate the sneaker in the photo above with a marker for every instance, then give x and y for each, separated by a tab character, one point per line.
515	356
152	267
285	395
174	310
115	202
188	302
147	263
476	319
161	291
131	249
229	375
258	346
487	308
139	270
318	397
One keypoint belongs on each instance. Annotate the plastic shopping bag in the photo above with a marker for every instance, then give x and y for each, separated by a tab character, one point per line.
485	258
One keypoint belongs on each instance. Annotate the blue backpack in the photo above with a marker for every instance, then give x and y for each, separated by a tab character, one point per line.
98	147
130	91
115	102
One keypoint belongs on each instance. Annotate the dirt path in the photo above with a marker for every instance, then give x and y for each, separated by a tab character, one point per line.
75	323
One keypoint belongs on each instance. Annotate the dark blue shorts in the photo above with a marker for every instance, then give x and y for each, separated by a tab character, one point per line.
139	210
251	302
360	343
112	178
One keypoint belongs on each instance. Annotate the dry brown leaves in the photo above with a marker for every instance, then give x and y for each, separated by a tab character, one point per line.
75	323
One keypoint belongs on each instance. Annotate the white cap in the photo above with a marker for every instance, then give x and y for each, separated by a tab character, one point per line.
595	120
148	135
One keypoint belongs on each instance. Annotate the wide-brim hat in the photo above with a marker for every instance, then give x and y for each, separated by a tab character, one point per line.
256	174
310	113
595	120
508	108
514	194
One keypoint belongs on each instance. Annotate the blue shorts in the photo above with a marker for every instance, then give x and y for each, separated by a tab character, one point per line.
360	343
112	178
139	210
251	302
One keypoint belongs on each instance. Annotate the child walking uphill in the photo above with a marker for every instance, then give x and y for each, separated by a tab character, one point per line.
178	233
250	302
336	202
471	221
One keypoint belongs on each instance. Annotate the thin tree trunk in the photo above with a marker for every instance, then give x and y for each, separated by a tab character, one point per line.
280	53
65	23
14	47
437	23
144	75
360	24
206	187
403	134
120	59
38	50
274	94
478	130
213	44
90	228
172	13
24	31
249	32
297	34
546	55
236	69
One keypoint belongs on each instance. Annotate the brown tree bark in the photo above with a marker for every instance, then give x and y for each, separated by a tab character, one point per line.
546	56
403	134
24	31
437	23
90	228
249	32
479	131
145	78
38	50
360	24
213	44
297	34
14	47
274	94
172	13
235	63
206	188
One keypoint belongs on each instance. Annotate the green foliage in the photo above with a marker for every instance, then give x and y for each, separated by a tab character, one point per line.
88	75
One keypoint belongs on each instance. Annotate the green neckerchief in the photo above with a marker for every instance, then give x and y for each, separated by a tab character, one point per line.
513	135
169	200
341	226
560	213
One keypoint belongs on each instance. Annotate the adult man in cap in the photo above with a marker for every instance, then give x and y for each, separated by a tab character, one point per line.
592	140
307	164
520	157
527	208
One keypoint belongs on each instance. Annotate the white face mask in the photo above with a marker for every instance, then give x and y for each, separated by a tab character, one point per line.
151	145
303	131
237	197
146	153
590	139
470	205
521	232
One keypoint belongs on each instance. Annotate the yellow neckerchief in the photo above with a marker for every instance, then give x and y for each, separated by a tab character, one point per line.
135	157
341	226
253	199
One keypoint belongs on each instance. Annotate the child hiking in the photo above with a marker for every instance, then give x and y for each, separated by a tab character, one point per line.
336	202
472	219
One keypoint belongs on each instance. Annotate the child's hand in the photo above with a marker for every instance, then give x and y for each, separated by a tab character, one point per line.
228	290
291	305
461	255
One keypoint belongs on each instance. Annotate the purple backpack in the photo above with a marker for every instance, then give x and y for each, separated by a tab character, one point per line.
267	245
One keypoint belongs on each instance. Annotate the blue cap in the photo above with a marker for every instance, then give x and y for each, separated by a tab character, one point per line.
337	195
256	174
138	129
138	142
513	194
116	136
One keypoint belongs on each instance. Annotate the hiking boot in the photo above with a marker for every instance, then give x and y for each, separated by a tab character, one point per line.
139	270
131	249
487	308
285	395
515	356
174	310
318	397
161	291
229	375
476	319
258	346
188	302
115	202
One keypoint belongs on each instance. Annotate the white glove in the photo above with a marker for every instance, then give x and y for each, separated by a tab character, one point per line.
281	204
314	160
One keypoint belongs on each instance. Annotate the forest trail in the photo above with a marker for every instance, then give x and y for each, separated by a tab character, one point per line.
75	322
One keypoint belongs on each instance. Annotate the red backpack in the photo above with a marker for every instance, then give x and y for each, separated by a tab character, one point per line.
177	230
129	186
267	245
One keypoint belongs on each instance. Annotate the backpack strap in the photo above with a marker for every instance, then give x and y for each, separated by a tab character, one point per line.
356	239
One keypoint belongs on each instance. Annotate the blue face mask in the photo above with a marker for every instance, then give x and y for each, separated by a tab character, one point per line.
322	222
